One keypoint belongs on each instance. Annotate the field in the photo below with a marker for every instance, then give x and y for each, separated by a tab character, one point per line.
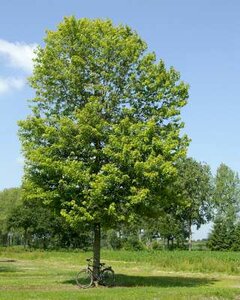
140	275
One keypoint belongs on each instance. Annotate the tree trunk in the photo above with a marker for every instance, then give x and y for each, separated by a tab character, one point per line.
164	243
25	239
168	243
190	235
96	252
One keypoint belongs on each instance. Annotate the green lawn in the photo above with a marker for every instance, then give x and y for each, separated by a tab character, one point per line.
139	275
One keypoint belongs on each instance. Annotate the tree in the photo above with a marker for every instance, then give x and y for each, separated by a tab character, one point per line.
171	227
226	201
9	199
104	133
195	187
227	193
235	238
33	219
42	228
220	237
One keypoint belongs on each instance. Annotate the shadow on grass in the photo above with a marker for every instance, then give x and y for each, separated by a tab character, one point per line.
156	281
7	260
161	281
8	268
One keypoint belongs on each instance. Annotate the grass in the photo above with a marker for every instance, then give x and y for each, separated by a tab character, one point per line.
139	275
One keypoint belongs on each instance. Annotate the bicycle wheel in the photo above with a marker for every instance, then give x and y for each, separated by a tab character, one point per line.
84	279
108	277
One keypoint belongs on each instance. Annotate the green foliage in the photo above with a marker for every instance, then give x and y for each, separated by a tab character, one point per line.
103	138
225	233
172	227
192	191
41	228
221	236
195	187
9	199
132	242
113	240
224	236
236	238
227	193
156	245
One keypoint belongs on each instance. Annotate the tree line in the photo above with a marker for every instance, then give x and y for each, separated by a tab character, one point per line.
202	198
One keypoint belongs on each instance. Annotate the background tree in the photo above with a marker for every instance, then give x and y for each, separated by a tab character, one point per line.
42	228
235	238
221	236
104	133
227	193
9	199
226	199
172	228
32	220
167	226
195	186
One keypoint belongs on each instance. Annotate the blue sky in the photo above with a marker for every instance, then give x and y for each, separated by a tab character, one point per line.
201	39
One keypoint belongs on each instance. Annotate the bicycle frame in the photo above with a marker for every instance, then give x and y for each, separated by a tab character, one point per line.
100	273
104	277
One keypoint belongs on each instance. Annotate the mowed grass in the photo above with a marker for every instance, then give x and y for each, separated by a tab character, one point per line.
139	275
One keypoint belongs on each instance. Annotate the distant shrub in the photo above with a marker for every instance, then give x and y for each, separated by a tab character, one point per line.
133	243
113	241
156	245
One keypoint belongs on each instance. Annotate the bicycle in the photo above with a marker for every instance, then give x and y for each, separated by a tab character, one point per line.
85	278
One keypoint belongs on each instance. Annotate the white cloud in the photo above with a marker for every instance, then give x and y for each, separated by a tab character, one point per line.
19	55
9	83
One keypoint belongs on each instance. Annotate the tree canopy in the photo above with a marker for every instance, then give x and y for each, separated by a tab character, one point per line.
9	199
227	193
225	232
103	138
195	186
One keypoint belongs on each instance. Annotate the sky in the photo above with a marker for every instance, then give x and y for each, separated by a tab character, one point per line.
200	38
